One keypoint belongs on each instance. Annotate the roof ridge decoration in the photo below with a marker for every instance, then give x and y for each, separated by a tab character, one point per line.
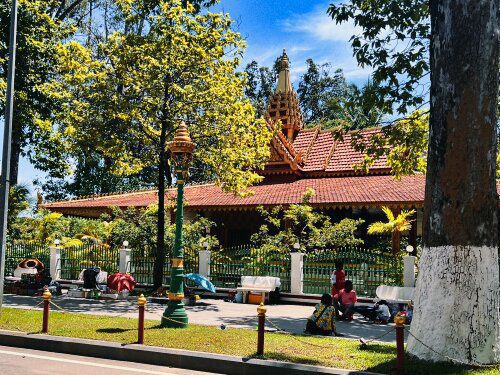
331	152
317	129
287	152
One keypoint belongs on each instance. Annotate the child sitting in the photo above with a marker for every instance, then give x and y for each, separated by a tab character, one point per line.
383	314
345	302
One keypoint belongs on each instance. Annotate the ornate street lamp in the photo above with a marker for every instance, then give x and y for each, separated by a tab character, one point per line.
182	151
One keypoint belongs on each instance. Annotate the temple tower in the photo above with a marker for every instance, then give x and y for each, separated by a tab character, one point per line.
284	104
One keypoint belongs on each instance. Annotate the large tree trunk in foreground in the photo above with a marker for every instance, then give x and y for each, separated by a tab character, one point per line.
457	294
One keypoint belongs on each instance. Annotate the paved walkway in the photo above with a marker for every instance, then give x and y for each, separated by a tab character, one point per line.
291	318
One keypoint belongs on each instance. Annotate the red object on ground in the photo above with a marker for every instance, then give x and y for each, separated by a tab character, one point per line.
120	281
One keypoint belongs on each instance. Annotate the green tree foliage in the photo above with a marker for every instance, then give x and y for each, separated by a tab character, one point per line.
260	85
362	109
394	42
137	226
301	223
92	175
322	95
404	144
177	65
42	25
19	202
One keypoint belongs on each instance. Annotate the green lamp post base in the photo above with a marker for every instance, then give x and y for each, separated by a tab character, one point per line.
175	315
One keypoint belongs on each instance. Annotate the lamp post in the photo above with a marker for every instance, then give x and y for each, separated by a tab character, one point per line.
182	151
7	136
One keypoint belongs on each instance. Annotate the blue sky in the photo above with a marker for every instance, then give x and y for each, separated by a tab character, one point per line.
302	27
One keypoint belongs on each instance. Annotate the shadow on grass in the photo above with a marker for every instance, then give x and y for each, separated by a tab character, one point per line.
378	348
290	358
413	366
114	330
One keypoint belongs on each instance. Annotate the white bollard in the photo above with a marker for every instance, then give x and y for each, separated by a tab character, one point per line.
124	259
297	273
55	262
409	271
204	263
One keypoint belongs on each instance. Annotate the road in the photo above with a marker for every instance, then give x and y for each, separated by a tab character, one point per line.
17	361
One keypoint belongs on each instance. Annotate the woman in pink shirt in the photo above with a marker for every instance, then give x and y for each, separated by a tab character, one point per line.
344	302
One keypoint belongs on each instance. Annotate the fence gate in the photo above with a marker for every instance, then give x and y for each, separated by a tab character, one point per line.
366	269
228	265
74	259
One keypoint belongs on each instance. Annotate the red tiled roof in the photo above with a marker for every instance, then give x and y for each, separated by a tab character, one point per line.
322	152
344	156
330	191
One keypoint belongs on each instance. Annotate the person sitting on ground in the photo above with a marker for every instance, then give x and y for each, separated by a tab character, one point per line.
337	278
345	301
383	313
322	321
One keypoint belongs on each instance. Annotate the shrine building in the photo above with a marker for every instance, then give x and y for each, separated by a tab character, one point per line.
301	158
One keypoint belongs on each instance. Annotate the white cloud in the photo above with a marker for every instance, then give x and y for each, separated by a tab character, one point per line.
320	26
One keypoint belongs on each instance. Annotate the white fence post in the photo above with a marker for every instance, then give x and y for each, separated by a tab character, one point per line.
409	270
204	263
55	262
297	273
124	258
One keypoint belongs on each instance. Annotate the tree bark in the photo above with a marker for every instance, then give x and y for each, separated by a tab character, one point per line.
457	293
160	236
15	151
396	235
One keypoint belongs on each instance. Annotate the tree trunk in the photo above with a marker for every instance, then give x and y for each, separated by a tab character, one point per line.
160	237
396	235
457	293
15	151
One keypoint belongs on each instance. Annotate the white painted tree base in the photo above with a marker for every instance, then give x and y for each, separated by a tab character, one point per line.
457	305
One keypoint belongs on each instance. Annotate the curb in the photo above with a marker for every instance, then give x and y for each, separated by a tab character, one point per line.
190	360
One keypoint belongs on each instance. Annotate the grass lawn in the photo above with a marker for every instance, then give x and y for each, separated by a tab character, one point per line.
332	352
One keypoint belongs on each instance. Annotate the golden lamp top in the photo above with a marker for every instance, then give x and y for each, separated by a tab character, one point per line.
182	141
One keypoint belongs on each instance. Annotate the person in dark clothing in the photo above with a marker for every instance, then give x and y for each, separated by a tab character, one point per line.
90	278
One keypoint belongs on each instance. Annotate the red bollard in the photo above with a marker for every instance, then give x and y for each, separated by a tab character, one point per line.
400	343
261	310
140	332
46	308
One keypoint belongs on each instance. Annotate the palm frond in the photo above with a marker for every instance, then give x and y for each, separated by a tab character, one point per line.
379	228
388	213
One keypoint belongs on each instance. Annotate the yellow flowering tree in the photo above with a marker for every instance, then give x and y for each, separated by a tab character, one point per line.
173	64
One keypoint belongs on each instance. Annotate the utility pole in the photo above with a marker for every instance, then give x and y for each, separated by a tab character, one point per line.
7	135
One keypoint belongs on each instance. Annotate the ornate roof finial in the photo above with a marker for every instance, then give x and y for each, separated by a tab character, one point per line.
285	63
284	82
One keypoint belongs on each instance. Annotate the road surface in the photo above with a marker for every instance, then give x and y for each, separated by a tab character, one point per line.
18	361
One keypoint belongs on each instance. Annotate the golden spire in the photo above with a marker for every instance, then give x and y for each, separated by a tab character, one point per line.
284	83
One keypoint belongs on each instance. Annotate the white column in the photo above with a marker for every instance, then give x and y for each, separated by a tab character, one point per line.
55	262
297	273
204	263
409	271
124	259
